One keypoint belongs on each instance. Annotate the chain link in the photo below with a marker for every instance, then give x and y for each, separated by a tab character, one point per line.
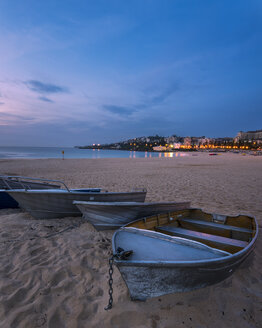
121	255
110	283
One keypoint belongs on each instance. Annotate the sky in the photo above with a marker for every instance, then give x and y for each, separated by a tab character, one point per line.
82	72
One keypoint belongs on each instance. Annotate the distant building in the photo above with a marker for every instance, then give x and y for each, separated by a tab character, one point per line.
223	140
204	141
187	141
159	148
171	139
177	145
197	141
249	135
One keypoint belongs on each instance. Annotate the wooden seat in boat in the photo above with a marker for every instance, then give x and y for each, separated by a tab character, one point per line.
215	225
224	243
219	229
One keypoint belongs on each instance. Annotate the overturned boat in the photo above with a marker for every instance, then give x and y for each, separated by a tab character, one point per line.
8	182
113	215
181	251
58	203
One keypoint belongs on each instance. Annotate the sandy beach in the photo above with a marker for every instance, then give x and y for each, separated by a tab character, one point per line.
54	273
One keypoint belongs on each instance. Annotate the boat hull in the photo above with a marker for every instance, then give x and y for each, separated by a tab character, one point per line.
7	201
152	280
114	215
159	263
52	204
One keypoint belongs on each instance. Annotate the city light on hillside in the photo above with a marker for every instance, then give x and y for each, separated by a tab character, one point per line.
251	140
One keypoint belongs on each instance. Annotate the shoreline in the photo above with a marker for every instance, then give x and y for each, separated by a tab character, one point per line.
76	153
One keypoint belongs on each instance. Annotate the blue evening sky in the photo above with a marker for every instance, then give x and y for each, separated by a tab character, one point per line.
82	72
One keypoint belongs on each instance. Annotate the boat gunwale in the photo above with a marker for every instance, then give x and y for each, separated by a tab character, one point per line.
196	263
122	204
244	252
72	191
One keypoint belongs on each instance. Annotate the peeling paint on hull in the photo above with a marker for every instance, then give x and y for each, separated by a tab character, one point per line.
146	281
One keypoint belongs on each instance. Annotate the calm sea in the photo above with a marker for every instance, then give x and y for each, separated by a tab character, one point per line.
56	152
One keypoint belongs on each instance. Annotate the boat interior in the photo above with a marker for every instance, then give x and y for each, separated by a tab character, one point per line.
226	233
8	183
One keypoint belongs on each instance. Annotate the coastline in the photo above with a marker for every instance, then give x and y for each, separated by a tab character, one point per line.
61	281
73	152
56	152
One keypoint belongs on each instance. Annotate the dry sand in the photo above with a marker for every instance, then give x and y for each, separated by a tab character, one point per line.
54	273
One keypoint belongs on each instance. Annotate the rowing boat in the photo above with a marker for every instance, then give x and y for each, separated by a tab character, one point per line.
58	203
113	215
18	182
181	251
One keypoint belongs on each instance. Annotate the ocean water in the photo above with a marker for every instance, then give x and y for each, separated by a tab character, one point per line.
56	152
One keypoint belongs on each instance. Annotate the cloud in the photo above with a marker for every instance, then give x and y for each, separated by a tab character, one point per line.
45	88
8	115
46	99
2	103
171	89
13	119
154	96
119	109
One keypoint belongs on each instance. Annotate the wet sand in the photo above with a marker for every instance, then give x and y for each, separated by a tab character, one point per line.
54	273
